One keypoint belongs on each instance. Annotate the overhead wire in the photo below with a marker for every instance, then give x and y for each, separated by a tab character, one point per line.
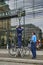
33	9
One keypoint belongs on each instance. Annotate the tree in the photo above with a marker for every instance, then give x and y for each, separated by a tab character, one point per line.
1	0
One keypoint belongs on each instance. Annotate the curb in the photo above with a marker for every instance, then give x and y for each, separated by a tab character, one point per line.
16	60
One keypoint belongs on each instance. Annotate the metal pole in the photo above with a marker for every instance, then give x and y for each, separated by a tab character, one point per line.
16	9
33	8
7	32
24	28
19	21
24	23
19	16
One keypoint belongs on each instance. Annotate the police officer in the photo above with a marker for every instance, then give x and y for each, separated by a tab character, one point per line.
33	45
19	35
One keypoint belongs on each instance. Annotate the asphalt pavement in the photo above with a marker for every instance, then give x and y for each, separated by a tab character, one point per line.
6	57
10	63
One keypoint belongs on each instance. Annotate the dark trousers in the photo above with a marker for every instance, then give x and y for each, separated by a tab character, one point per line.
33	49
19	42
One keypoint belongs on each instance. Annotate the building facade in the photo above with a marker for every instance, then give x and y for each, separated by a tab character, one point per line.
5	23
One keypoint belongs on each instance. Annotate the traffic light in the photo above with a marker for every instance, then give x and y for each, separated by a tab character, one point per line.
23	13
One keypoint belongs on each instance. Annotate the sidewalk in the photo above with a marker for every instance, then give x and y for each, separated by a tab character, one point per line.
5	51
4	56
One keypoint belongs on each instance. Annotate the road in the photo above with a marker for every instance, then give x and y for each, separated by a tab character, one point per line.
4	54
12	63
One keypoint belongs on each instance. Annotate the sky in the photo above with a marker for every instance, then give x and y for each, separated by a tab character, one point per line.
37	20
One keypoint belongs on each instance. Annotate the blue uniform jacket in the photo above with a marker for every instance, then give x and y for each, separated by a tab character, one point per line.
34	39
